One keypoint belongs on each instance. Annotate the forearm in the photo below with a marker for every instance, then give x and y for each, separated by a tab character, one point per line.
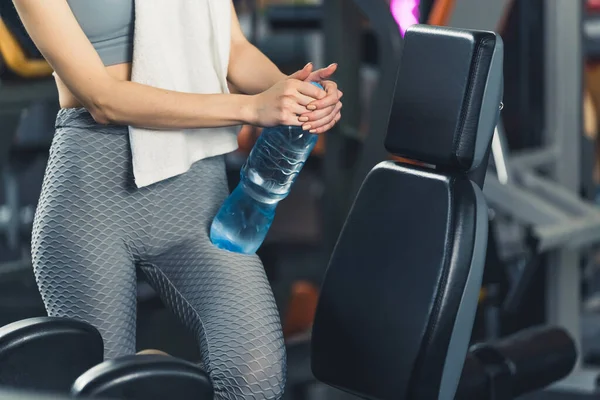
250	71
129	103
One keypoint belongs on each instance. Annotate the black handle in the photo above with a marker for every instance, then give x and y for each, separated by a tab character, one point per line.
524	362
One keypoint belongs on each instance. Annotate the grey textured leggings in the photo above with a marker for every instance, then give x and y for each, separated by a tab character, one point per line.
93	228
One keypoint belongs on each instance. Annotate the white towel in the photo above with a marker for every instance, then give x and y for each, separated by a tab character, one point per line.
180	45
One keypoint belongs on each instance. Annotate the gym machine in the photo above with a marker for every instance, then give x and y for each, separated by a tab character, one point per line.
24	80
344	143
389	341
540	189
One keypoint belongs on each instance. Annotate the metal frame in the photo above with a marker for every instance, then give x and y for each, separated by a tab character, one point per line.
549	202
564	116
15	97
390	52
342	30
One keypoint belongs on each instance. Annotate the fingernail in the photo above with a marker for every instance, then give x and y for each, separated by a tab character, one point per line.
313	131
310	63
312	107
305	127
303	119
334	64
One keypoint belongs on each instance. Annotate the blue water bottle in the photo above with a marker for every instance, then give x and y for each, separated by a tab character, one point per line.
245	217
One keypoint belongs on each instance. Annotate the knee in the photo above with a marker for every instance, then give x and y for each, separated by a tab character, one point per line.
260	378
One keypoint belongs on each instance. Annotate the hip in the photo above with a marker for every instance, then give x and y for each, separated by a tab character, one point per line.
91	164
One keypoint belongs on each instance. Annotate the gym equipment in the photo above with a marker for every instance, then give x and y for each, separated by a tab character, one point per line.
540	188
591	29
342	31
406	335
522	363
294	17
47	354
145	377
24	80
422	250
27	395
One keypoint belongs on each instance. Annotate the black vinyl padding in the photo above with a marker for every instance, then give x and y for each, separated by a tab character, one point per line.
518	364
387	307
145	377
399	298
437	105
47	354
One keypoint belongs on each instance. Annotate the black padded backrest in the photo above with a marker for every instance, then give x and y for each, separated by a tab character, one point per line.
145	377
47	354
399	297
446	105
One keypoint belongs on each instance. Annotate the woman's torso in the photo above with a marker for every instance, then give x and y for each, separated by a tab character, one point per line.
108	24
68	100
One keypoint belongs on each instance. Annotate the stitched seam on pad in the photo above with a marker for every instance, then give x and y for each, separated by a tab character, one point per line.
172	286
469	95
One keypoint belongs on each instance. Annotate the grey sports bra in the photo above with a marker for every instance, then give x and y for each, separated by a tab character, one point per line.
108	24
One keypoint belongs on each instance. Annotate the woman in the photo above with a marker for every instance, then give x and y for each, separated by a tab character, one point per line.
98	220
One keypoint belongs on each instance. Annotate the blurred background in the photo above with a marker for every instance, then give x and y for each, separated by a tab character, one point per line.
543	263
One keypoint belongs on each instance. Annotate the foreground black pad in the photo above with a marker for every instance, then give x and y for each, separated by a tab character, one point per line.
519	364
448	96
145	377
47	354
11	394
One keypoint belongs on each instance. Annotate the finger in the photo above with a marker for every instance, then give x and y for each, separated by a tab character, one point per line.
322	121
327	120
297	110
292	111
316	115
329	100
327	127
323	73
311	90
291	119
304	73
330	86
303	100
340	94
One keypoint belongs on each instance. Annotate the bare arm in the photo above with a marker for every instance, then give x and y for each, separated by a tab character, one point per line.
55	31
321	114
263	74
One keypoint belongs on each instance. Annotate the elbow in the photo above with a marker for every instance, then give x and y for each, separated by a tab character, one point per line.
239	45
99	107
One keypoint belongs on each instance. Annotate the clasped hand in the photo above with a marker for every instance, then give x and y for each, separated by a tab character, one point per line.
295	101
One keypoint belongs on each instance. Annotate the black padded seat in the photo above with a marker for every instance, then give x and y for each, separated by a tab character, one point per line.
399	298
145	377
47	354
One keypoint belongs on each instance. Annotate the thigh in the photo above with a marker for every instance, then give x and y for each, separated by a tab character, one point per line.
226	300
93	282
87	278
184	206
82	266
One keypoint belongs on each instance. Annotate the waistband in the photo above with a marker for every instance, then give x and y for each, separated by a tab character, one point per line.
78	118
